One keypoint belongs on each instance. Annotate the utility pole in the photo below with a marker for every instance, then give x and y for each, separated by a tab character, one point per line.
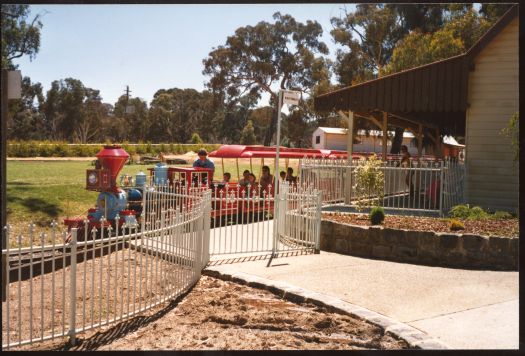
127	94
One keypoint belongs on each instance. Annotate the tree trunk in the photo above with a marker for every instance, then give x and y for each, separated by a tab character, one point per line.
397	141
271	129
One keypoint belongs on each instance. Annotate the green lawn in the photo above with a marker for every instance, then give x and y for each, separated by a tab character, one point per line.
41	192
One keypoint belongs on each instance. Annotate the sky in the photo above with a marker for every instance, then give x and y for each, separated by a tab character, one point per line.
148	47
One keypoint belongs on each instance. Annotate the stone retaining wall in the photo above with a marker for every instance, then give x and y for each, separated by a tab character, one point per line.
429	248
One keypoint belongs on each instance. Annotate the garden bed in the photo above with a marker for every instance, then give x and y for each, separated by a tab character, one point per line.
483	244
486	227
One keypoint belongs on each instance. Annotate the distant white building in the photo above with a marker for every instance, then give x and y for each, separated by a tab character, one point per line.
332	138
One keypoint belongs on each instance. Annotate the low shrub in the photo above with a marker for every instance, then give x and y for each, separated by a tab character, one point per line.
456	225
464	211
477	213
377	215
459	211
501	215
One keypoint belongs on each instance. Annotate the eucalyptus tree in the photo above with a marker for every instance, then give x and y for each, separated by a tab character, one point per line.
72	111
19	36
368	37
265	58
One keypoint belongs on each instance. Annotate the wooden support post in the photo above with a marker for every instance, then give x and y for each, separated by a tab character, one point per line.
420	141
251	166
237	162
385	124
222	163
350	150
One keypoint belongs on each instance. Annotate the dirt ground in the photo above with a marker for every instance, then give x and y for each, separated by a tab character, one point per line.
220	315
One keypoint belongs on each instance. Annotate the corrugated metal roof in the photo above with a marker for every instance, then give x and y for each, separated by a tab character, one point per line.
439	86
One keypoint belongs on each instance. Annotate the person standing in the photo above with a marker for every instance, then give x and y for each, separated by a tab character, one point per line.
407	163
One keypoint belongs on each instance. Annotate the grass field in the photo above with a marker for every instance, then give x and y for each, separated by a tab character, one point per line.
41	192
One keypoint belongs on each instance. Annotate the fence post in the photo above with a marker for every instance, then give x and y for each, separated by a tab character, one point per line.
73	288
207	222
318	221
441	192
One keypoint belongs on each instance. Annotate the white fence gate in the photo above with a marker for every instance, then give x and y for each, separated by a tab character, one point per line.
243	220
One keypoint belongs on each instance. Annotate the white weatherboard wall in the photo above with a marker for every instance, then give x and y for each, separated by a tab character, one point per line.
493	95
331	138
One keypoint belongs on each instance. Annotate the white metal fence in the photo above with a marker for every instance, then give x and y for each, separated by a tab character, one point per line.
427	185
243	219
70	287
88	278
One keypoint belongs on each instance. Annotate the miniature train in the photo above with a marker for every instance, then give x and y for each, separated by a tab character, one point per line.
126	200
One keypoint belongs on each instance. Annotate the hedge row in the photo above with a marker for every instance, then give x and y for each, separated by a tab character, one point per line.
63	149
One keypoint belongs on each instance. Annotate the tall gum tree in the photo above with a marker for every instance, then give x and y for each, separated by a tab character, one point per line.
19	37
265	58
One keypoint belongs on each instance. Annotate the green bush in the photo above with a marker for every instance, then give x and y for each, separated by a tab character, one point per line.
459	211
377	215
369	182
456	225
466	212
477	213
63	149
501	215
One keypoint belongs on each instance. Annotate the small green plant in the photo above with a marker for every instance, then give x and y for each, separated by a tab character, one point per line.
369	185
459	211
477	213
377	215
501	215
456	225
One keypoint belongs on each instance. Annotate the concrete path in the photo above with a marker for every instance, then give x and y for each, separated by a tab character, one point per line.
462	308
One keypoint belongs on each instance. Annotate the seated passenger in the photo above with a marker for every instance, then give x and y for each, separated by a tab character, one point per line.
266	178
252	180
245	180
282	175
203	161
289	175
226	177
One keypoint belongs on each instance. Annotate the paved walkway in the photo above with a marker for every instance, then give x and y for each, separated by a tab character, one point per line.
462	308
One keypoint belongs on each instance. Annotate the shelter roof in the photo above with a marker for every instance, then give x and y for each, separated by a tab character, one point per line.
434	93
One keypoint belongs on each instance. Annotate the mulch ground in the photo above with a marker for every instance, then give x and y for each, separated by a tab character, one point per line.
222	315
487	227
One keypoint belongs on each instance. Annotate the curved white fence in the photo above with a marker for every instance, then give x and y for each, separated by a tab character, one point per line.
61	289
89	278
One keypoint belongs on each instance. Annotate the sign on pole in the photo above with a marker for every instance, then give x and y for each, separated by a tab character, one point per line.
291	97
14	84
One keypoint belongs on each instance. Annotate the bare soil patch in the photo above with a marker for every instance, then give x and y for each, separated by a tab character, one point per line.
487	227
221	315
